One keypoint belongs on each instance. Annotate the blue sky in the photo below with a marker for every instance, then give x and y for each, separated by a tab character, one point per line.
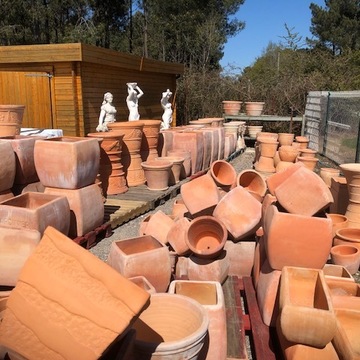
265	21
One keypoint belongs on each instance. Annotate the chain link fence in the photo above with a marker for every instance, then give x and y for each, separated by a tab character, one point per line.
332	124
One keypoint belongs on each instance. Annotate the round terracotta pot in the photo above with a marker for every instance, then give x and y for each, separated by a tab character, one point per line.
186	165
303	141
231	107
347	235
252	180
339	221
286	138
268	136
309	162
253	130
265	164
175	170
268	148
254	108
347	256
162	333
288	153
307	153
11	117
327	174
157	174
206	236
223	173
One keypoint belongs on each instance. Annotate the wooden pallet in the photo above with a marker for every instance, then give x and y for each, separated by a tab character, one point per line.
91	238
244	318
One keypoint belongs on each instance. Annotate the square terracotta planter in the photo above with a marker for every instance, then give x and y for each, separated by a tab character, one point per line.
344	294
36	211
210	295
306	311
67	162
68	303
86	208
142	256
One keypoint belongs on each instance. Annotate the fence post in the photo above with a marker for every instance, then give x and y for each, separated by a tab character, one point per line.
326	124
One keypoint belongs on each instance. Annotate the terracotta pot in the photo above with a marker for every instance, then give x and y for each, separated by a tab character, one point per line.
336	273
86	207
165	142
240	221
36	211
303	141
288	153
327	174
177	236
305	304
252	180
76	276
253	130
223	173
339	221
268	148
307	153
175	170
150	139
161	332
267	136
286	139
282	165
214	133
344	294
200	195
157	174
254	108
265	164
231	107
347	235
347	256
143	283
206	237
112	175
7	165
78	169
16	245
186	165
179	208
311	236
11	117
130	157
142	255
210	295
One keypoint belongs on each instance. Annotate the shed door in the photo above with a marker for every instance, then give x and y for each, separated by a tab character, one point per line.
32	89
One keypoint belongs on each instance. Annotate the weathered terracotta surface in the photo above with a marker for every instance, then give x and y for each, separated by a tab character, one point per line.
346	340
165	142
86	208
215	142
83	311
179	208
143	255
210	295
306	312
206	237
259	258
36	211
7	165
200	195
346	255
268	147
67	162
240	212
162	333
296	240
16	245
157	174
177	236
303	193
6	195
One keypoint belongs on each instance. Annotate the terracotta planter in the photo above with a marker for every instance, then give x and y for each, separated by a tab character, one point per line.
36	211
265	165
254	108
268	148
311	236
165	142
112	175
83	290
7	165
306	312
339	221
200	195
86	207
77	169
186	165
130	158
336	273
162	333
344	294
240	221
252	180
267	136
175	170
253	130
210	295
307	153
179	208
303	141
282	165
143	255
347	256
223	173
16	245
347	236
288	153
230	145
231	107
150	139
177	236
206	237
157	174
143	283
11	117
309	162
286	139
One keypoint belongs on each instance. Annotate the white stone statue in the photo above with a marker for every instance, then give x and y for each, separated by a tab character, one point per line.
132	100
166	105
107	113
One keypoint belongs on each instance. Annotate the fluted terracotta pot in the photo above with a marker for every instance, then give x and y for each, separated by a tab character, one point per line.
131	158
157	174
347	256
162	333
254	108
111	170
149	143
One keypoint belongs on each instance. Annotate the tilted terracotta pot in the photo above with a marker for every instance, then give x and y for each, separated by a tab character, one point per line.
11	117
252	180
223	173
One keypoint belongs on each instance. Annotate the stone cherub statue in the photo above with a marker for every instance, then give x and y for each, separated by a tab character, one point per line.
132	100
107	113
166	105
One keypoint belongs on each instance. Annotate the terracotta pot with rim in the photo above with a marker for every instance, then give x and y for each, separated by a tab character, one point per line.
252	180
286	138
347	256
157	174
223	173
347	235
175	170
254	108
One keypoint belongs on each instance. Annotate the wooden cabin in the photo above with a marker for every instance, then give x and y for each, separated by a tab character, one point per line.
62	85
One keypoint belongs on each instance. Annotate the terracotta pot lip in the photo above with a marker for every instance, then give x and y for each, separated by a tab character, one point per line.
126	124
231	101
229	167
331	170
307	158
151	121
336	249
255	102
334	216
350	166
156	164
107	134
349	234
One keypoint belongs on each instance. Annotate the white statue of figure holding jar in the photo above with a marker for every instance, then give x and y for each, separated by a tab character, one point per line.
107	113
132	100
166	105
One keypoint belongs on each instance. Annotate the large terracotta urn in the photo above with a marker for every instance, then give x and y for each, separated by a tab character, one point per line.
111	170
150	140
131	158
162	333
67	162
11	117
